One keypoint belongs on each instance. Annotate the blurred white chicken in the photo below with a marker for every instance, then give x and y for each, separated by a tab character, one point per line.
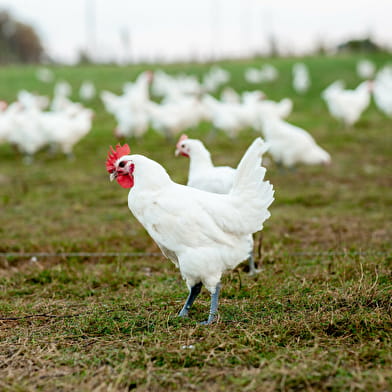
29	100
169	86
267	73
61	94
382	90
347	105
23	122
29	129
290	145
139	90
45	75
229	95
174	117
87	91
281	109
232	117
131	108
65	129
256	107
8	115
204	234
366	69
301	78
63	88
214	78
26	134
227	117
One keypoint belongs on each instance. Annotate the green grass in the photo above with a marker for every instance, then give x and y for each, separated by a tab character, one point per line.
318	316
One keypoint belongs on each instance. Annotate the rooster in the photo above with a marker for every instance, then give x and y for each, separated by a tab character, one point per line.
207	177
204	234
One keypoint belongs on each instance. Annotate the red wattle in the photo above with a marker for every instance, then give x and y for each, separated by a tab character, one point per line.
125	181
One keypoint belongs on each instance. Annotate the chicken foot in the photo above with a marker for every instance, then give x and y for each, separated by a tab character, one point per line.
195	291
214	306
251	261
252	268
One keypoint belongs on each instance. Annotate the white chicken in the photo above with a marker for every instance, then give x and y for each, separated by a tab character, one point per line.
87	91
301	78
45	75
202	173
61	93
366	69
229	95
214	78
8	115
130	109
382	90
29	129
253	75
138	91
227	117
168	86
347	105
207	177
26	134
63	89
204	234
171	118
256	107
65	129
267	73
290	145
29	100
281	109
132	121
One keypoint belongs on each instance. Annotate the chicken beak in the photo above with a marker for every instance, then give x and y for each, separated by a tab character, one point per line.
177	152
113	176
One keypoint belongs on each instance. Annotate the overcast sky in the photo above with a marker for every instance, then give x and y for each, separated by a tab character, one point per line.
179	29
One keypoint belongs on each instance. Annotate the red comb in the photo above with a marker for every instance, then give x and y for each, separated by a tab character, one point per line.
113	155
3	105
181	139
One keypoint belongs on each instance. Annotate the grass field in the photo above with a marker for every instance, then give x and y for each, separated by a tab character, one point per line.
318	316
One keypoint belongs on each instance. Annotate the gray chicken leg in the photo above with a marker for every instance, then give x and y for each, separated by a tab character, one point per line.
213	307
195	291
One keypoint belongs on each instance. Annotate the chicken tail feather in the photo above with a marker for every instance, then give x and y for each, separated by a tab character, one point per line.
250	193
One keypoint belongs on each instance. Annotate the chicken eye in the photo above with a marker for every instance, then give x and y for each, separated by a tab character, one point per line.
121	164
182	145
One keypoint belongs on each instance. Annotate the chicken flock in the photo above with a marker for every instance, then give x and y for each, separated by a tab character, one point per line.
172	104
33	122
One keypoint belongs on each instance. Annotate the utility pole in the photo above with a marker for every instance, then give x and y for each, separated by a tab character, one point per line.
214	29
90	10
125	35
245	26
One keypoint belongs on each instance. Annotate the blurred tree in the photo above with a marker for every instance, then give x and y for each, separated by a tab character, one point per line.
273	50
84	57
19	43
359	45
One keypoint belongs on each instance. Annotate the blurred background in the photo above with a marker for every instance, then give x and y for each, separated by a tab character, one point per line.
125	32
